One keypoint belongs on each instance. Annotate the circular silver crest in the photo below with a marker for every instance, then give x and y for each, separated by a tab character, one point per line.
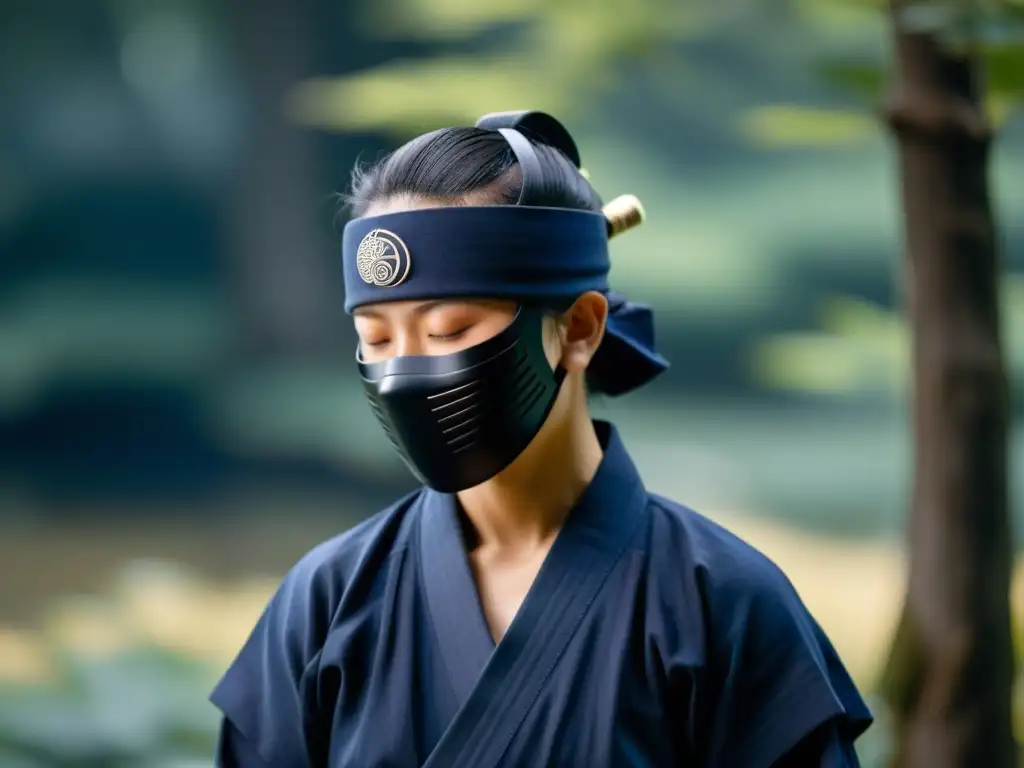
383	259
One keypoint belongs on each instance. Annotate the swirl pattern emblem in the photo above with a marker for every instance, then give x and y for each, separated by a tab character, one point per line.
383	259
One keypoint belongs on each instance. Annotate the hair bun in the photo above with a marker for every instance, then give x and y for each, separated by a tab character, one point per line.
548	159
536	126
623	213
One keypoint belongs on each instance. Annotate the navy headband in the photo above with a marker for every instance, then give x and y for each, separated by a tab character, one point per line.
498	251
527	254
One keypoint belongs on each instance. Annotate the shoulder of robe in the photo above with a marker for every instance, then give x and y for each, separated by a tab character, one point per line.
266	692
759	652
309	596
726	564
722	582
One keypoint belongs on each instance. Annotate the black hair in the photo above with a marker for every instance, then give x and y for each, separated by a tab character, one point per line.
449	164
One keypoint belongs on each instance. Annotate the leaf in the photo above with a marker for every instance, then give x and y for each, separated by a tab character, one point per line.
933	17
1004	70
866	80
406	98
869	6
562	54
806	362
840	16
999	108
441	20
965	26
786	126
860	348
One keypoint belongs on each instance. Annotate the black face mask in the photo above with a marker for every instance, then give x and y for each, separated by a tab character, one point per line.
460	419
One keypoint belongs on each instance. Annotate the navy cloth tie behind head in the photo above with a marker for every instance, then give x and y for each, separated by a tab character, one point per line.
526	254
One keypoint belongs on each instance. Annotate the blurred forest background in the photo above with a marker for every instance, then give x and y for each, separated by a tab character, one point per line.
180	418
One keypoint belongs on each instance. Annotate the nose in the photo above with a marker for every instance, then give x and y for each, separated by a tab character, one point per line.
408	344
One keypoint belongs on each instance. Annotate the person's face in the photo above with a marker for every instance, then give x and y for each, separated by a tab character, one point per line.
441	327
400	328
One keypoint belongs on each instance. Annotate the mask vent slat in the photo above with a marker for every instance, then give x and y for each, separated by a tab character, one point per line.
462	411
379	413
467	399
448	396
464	441
464	424
528	397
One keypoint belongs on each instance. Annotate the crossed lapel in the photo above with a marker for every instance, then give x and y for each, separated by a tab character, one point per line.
452	599
496	685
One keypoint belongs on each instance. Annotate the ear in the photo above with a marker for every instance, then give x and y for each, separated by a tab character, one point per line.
583	329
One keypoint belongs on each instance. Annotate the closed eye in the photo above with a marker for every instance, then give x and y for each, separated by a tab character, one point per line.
377	343
449	336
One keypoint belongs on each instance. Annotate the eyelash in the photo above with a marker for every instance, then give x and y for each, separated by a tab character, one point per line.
448	336
439	336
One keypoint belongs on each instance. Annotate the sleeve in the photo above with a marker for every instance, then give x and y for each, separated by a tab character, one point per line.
235	751
268	696
772	677
827	747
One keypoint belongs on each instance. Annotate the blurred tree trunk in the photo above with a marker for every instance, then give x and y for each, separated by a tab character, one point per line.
282	266
950	674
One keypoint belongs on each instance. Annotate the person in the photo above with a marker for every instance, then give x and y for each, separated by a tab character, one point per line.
533	604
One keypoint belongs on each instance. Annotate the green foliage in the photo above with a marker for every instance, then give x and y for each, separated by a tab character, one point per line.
141	708
992	28
785	125
865	78
862	349
1004	68
121	681
553	56
960	24
561	55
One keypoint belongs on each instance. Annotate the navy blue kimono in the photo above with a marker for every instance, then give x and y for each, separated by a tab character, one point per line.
650	637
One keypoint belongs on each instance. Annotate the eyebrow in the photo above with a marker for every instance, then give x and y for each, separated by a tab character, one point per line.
419	309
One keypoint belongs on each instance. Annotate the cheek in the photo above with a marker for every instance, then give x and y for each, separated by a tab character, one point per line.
483	327
372	354
480	331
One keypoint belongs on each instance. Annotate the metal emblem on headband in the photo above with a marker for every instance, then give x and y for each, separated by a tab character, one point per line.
383	259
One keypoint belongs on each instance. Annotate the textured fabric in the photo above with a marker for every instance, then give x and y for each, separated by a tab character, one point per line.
506	251
651	637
